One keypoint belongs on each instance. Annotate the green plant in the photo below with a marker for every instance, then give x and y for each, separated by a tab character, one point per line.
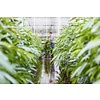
77	51
19	50
47	47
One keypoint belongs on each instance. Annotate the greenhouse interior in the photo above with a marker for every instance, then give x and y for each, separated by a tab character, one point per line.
49	50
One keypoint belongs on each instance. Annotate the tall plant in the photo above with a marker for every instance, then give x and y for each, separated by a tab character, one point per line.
19	50
77	51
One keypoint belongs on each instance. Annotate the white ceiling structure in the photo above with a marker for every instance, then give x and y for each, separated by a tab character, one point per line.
43	25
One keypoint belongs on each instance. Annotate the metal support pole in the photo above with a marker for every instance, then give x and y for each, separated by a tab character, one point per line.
34	24
46	27
58	25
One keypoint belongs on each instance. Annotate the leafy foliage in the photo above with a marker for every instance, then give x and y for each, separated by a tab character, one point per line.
47	47
77	51
19	51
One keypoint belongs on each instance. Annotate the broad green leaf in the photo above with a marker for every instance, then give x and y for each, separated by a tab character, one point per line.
89	46
4	62
96	82
95	27
91	70
8	77
79	70
88	24
3	79
97	59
